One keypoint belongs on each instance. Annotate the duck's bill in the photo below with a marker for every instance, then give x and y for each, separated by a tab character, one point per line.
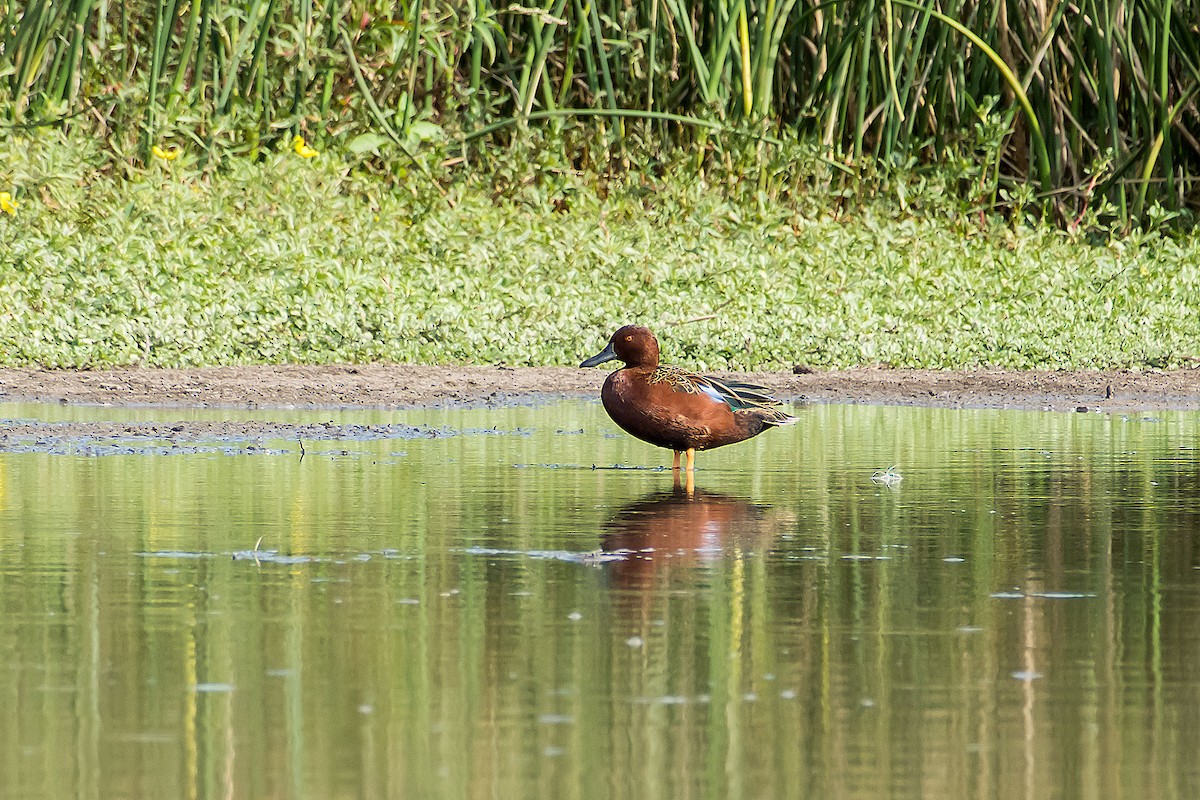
607	354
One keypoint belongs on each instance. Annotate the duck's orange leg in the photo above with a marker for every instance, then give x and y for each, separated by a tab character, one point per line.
675	463
691	459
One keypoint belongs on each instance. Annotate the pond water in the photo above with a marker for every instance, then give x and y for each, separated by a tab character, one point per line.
477	612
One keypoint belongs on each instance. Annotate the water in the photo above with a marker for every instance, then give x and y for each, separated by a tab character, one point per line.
481	613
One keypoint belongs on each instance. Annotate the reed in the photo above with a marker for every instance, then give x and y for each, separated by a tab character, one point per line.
1087	105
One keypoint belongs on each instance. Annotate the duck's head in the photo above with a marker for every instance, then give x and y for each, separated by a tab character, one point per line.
633	344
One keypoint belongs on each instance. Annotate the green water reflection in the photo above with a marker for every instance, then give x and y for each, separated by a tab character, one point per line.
482	614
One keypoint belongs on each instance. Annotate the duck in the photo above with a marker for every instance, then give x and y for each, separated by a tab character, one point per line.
670	407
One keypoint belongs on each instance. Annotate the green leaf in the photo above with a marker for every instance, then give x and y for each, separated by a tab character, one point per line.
367	143
425	131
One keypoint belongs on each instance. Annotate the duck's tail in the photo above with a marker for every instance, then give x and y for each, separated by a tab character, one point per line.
776	417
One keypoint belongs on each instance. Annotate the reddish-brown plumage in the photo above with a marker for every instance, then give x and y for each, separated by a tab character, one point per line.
662	415
669	407
677	529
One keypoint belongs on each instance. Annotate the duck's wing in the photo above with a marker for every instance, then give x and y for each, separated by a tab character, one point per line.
738	395
741	395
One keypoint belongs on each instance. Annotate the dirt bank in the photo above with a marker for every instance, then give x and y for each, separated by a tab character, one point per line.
397	386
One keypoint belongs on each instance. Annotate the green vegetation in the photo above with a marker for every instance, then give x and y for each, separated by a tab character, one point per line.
199	182
292	259
1082	106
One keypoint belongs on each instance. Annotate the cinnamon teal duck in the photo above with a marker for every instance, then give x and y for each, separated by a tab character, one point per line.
671	407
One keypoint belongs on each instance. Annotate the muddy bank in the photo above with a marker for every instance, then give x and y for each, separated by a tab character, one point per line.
183	437
380	386
398	386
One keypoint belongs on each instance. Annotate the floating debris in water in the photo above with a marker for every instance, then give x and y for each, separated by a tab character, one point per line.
888	477
635	467
270	556
444	431
571	556
213	687
175	554
1019	595
674	700
556	719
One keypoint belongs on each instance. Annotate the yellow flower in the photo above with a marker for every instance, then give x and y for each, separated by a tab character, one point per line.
165	155
6	203
301	147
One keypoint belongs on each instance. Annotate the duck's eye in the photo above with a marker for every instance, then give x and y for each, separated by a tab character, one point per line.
629	338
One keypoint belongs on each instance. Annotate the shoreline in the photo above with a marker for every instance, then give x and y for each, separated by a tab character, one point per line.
376	386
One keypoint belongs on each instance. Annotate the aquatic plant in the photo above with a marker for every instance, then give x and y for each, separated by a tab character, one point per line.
1073	107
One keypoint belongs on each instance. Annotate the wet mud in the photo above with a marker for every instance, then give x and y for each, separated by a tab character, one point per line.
397	386
400	386
187	437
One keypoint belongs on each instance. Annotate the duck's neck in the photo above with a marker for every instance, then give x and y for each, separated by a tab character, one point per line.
643	365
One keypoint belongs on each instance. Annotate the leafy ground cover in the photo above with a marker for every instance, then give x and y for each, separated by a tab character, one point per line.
290	259
1089	105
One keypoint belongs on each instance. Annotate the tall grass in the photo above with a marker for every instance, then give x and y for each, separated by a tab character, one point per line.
1082	105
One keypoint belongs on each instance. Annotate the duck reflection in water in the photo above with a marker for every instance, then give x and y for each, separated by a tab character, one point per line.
682	528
